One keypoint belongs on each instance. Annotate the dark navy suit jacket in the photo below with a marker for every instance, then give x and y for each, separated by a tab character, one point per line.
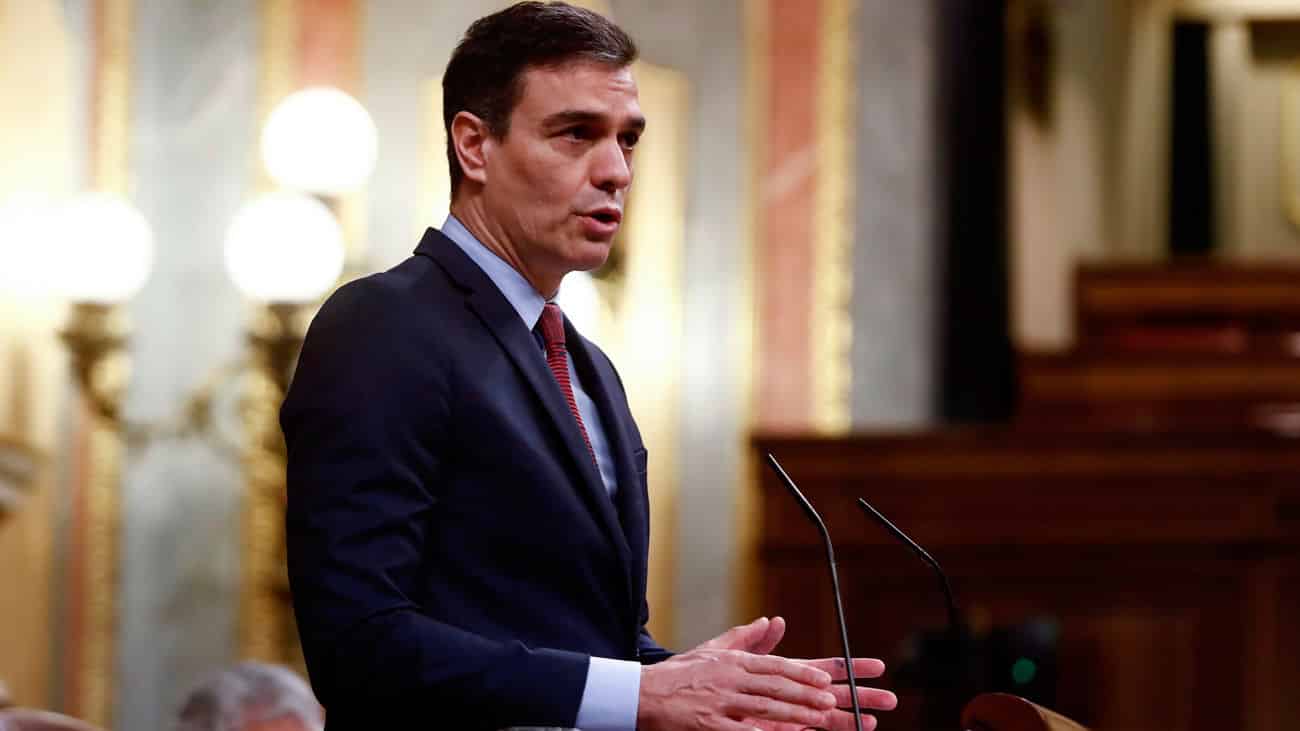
453	555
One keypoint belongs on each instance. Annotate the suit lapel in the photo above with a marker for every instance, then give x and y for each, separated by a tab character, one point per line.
601	383
502	321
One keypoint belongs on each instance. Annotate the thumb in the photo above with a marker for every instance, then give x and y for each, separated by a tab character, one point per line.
743	637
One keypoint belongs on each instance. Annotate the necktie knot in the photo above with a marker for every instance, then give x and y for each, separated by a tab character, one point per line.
552	327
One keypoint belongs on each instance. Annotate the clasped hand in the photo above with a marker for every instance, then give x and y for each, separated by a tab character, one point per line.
732	683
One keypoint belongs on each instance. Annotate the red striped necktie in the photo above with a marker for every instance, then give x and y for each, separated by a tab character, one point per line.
552	327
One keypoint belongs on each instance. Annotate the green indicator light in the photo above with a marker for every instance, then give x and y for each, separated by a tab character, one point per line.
1023	671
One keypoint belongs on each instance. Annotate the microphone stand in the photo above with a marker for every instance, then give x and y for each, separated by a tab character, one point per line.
835	582
955	624
956	675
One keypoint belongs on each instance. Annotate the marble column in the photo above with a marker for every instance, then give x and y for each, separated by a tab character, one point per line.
899	207
194	155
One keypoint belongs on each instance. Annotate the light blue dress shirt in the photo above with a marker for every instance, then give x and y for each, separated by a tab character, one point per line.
609	699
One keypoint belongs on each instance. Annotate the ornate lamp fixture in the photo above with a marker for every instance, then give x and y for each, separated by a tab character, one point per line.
285	250
106	247
95	250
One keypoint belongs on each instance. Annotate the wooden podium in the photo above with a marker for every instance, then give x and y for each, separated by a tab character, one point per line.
1146	499
1004	712
31	719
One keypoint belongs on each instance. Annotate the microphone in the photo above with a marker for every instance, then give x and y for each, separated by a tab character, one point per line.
955	624
835	581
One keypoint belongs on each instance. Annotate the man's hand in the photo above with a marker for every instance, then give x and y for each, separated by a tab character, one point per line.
731	683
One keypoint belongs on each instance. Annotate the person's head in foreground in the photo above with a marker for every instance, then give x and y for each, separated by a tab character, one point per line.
251	696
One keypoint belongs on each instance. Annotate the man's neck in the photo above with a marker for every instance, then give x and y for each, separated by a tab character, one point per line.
471	215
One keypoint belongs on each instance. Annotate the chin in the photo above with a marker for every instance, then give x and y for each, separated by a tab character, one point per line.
591	255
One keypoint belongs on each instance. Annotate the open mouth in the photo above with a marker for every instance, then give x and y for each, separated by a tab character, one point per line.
606	215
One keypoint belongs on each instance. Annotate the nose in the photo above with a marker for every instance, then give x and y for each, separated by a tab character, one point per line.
611	168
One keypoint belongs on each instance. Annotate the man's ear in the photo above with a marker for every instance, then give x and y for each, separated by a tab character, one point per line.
472	138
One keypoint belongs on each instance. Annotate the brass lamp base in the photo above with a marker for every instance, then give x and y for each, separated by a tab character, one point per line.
96	336
267	631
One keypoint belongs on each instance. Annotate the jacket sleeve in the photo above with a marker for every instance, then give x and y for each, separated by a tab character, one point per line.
364	424
648	650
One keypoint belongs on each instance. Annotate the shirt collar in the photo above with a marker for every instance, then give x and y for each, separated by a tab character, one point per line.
518	291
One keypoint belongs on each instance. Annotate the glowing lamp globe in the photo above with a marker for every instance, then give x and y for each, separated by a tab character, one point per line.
27	222
101	249
320	140
284	248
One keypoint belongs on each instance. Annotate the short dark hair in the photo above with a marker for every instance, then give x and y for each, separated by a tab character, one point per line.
484	74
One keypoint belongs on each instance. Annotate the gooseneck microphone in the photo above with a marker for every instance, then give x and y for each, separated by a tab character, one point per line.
835	581
955	624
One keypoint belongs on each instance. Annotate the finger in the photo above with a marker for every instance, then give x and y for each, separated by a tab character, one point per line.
758	707
739	638
730	724
773	665
843	721
863	667
874	698
768	642
784	689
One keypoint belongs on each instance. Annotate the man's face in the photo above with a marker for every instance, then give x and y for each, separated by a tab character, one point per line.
557	182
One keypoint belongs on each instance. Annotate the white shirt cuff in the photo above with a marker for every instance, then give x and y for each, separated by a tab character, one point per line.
610	697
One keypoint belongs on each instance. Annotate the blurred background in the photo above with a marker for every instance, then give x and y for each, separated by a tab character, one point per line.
1024	273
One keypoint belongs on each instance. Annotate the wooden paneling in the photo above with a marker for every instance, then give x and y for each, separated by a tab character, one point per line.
1192	307
1161	392
1146	499
1188	348
1162	559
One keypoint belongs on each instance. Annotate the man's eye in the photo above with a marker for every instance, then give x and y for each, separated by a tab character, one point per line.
630	139
577	133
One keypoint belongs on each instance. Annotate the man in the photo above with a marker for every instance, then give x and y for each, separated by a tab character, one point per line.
251	696
467	516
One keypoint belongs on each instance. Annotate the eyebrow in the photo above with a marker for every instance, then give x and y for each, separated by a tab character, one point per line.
578	116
